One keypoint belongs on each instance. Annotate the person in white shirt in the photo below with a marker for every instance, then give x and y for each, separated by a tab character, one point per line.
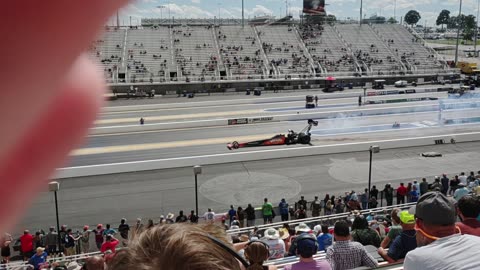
440	244
209	216
276	246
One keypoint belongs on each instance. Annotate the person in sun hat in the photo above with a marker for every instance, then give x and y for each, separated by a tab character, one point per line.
299	229
275	244
39	258
440	243
404	242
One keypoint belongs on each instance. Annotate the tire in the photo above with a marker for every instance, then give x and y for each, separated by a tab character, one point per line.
235	145
304	139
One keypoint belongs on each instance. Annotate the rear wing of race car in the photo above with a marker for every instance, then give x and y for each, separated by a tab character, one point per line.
311	123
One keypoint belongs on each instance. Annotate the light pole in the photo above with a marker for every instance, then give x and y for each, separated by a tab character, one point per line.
161	13
243	20
458	32
361	6
373	149
55	186
196	170
395	11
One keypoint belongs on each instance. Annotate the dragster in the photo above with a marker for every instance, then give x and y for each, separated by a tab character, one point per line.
302	137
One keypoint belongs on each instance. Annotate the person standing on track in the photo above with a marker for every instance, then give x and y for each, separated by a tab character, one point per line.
267	211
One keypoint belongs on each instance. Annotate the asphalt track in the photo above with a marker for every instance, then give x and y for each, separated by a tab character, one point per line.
106	199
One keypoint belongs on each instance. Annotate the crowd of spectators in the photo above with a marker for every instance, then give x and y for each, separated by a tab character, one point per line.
393	234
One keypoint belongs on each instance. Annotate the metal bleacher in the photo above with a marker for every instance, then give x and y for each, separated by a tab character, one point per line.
408	47
369	49
196	53
282	45
328	50
108	50
240	51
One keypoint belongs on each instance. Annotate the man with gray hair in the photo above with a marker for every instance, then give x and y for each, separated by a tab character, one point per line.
440	244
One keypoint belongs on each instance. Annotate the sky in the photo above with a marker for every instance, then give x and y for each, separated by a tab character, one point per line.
342	9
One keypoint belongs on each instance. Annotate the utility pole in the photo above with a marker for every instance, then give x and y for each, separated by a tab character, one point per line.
476	30
458	33
395	10
243	19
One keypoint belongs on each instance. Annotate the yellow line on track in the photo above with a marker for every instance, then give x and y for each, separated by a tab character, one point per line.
162	145
173	117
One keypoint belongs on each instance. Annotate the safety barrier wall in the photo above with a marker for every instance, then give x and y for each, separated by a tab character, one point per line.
259	155
346	94
263	118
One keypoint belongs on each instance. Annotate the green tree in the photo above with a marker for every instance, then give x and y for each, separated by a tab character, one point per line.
392	20
443	17
469	27
412	17
331	18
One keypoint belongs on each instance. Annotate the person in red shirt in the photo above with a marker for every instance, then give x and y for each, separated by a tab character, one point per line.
401	193
109	244
26	245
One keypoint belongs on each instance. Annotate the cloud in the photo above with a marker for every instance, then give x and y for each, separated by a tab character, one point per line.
196	1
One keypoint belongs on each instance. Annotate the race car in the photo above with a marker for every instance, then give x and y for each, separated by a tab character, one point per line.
302	137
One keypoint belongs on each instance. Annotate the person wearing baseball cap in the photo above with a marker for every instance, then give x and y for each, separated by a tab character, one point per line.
440	242
307	246
404	242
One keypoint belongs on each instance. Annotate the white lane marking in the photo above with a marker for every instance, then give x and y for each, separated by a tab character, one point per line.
270	150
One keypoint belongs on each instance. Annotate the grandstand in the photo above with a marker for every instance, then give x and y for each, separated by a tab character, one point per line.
199	51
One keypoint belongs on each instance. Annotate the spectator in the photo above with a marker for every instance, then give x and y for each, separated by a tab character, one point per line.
363	234
306	247
460	191
39	258
276	246
394	231
325	239
301	213
62	233
303	202
193	217
301	228
403	243
454	184
181	217
283	208
445	182
109	244
5	247
468	209
138	227
267	211
401	192
95	263
374	192
98	232
423	186
414	194
70	243
436	185
51	241
123	229
26	245
241	216
440	247
345	254
209	216
463	179
250	211
108	230
256	253
316	207
339	206
388	192
231	214
85	239
178	246
150	223
38	240
363	199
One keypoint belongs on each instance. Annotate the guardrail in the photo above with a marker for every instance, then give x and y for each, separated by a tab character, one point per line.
137	166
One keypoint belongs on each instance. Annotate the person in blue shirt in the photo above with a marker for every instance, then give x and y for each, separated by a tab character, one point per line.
39	258
232	214
325	239
404	242
283	207
108	231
